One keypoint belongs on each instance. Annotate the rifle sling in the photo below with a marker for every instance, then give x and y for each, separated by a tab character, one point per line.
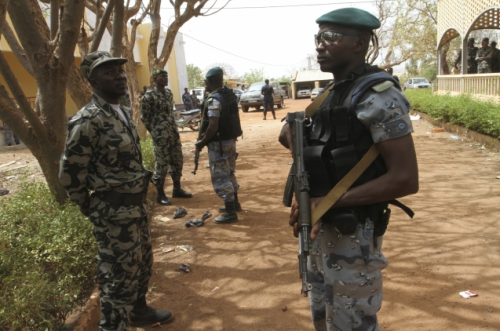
344	184
318	102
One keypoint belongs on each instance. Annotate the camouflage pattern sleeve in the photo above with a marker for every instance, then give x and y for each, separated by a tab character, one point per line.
385	114
147	105
73	173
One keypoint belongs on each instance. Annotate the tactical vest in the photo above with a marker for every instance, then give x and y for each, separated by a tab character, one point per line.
229	121
336	140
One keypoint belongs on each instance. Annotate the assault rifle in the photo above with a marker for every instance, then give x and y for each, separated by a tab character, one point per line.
196	160
298	184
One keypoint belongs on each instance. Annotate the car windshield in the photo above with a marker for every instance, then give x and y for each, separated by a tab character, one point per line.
420	81
198	92
317	90
304	88
256	87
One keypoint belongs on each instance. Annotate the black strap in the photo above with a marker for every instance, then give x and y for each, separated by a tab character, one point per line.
404	207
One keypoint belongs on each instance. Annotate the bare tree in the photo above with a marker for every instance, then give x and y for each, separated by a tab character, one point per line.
50	60
228	69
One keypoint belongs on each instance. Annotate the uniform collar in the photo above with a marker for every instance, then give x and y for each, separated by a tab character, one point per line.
106	108
356	73
157	92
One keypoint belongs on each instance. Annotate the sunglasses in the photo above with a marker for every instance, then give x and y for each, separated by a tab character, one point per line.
329	37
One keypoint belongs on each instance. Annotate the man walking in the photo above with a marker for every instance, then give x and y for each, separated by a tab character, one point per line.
483	57
219	129
103	155
9	135
157	114
186	99
268	92
364	107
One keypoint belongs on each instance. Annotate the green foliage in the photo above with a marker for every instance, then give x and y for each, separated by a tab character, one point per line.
284	78
254	76
47	258
148	155
480	116
195	78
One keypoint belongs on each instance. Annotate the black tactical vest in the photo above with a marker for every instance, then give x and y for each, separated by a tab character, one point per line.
337	140
229	121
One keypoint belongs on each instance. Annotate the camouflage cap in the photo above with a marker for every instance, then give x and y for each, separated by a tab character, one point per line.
95	59
352	18
159	71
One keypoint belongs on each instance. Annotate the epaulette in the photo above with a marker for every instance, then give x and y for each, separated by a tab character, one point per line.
383	86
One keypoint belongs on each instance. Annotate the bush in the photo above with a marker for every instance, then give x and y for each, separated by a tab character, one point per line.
47	259
480	116
148	155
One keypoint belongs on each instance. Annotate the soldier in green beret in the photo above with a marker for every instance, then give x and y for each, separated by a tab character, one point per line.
157	114
364	106
103	155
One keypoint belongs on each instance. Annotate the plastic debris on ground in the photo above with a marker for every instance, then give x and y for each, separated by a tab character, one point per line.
498	177
180	212
10	177
215	289
199	222
455	137
414	118
185	267
185	248
437	130
4	192
168	250
468	294
163	219
289	163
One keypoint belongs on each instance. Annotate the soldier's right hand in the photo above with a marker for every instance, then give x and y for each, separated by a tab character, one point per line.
294	215
285	137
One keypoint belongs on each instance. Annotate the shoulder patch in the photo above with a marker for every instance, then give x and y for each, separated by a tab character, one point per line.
383	86
209	99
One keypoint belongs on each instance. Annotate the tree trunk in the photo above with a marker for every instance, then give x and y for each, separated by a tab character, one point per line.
444	64
78	87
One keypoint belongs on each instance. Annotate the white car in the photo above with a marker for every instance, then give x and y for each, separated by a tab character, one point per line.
304	91
416	82
315	93
200	93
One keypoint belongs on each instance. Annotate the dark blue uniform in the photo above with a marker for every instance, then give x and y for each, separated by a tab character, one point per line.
268	92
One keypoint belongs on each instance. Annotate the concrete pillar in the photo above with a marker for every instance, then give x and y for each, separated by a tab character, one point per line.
316	84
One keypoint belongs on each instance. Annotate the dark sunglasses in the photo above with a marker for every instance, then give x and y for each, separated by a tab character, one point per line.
329	37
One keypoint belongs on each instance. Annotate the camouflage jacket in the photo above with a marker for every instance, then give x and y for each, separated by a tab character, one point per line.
484	52
157	114
102	153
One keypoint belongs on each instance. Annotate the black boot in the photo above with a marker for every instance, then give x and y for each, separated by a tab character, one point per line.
229	216
142	314
177	192
162	198
237	205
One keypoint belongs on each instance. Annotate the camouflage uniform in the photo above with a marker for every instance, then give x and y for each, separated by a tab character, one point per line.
103	154
471	60
345	270
187	101
484	66
222	164
158	117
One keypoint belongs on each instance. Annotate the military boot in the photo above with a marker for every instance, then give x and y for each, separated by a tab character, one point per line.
237	204
142	314
162	198
229	216
177	192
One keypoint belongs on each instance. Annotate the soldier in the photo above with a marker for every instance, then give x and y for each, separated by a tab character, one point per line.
219	130
186	99
483	57
9	134
194	99
157	114
471	57
268	93
495	59
103	154
344	269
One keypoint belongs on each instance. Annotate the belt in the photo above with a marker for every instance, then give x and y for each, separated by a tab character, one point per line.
122	199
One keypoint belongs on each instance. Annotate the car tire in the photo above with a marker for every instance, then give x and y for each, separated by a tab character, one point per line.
281	104
244	109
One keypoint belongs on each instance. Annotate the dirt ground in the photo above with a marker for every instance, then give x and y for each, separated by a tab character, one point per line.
244	276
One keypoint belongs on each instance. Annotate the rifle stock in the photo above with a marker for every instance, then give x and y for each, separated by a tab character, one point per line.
196	161
300	187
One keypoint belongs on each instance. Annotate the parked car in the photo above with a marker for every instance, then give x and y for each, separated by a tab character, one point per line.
416	82
238	93
315	93
304	91
253	98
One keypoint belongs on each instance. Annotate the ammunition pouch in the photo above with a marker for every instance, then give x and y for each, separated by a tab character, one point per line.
344	219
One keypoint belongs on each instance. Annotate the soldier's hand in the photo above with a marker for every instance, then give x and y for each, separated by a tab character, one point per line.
199	146
294	214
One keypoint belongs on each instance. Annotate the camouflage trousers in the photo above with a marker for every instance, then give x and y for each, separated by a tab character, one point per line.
222	168
168	154
345	273
124	266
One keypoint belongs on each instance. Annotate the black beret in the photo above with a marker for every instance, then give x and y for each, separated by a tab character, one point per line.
352	18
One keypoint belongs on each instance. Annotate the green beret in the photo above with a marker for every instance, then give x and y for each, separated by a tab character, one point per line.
215	71
159	71
352	18
95	59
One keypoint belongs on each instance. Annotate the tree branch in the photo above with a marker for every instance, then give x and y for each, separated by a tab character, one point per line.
17	49
54	18
118	25
102	26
